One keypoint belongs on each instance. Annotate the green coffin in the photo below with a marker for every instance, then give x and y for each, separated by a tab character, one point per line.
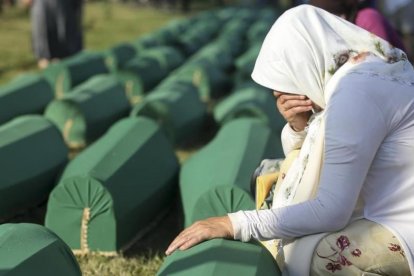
89	110
121	53
145	42
257	32
151	66
233	35
177	108
30	249
25	94
211	82
250	101
229	159
165	36
245	63
32	154
169	34
70	72
221	200
217	54
221	257
133	87
200	34
115	188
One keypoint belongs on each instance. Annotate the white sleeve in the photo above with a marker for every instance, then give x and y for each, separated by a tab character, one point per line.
291	140
351	142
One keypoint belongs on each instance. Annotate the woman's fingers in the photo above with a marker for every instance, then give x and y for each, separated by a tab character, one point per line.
294	111
294	103
216	227
277	94
190	243
294	108
180	240
177	243
189	237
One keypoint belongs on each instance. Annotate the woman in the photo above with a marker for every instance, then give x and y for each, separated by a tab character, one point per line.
360	146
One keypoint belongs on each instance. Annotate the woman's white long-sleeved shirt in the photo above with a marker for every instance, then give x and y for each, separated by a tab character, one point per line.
369	151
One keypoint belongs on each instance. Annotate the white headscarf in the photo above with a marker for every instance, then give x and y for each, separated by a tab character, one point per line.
301	54
306	46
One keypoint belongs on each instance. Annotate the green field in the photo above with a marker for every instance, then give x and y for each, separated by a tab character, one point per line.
105	24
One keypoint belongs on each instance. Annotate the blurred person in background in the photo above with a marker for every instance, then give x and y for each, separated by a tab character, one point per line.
362	14
6	2
56	29
401	15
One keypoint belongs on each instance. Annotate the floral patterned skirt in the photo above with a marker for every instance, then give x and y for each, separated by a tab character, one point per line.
362	248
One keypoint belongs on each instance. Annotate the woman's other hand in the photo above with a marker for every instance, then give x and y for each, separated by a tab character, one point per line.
296	109
211	228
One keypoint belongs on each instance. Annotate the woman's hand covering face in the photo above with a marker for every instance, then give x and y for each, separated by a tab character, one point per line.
296	109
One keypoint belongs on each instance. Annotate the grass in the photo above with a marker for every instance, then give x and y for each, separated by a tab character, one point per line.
96	265
105	24
15	44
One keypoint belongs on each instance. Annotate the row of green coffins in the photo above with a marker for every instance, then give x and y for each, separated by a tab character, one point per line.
86	96
178	35
88	114
30	94
85	115
202	71
117	177
148	68
36	137
88	220
110	183
79	126
105	196
92	180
